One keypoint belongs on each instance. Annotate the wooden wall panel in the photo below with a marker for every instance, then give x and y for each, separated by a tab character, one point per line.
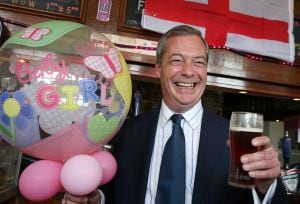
297	8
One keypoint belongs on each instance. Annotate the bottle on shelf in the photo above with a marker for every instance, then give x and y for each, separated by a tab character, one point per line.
137	102
286	150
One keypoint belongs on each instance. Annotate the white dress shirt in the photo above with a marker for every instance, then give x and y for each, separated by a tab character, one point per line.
191	128
191	125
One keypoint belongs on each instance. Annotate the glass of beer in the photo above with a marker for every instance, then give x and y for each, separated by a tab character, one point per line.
244	126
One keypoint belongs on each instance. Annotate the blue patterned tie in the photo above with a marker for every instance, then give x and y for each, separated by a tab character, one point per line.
171	183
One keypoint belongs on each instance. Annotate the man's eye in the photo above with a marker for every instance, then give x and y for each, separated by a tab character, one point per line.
176	62
199	64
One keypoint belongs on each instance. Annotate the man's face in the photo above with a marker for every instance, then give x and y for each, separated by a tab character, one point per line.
183	72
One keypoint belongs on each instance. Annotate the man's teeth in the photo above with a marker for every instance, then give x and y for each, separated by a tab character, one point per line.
185	85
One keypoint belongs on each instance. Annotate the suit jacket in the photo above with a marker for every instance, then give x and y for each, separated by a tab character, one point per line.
133	146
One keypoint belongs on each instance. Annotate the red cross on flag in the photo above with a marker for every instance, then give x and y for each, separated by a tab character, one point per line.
262	27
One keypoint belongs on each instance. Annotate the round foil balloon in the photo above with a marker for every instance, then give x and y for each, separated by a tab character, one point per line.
65	90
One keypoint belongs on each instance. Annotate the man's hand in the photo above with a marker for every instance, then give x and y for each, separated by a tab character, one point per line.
263	165
92	198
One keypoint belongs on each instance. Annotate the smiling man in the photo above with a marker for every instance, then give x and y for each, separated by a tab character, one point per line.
182	64
142	146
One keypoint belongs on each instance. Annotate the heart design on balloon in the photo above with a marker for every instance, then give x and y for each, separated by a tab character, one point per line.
99	128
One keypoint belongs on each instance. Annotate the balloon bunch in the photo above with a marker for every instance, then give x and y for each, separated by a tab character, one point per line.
79	175
65	91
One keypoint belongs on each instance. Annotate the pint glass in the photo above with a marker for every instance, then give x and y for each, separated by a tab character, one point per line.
244	126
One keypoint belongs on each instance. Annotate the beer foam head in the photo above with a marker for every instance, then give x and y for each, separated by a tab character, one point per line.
247	121
246	129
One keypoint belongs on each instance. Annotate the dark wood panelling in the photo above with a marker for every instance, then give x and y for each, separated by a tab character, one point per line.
297	8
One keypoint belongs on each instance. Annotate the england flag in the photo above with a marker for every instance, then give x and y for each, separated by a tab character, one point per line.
263	27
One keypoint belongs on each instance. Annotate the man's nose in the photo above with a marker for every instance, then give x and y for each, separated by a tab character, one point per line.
187	68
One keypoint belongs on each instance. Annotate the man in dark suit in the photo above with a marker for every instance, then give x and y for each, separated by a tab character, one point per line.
182	57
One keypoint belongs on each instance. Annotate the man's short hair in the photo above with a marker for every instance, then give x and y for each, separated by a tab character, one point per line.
177	31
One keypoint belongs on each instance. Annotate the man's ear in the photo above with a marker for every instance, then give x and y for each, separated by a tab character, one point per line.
157	70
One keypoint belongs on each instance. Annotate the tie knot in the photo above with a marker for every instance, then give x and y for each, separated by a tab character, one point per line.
176	119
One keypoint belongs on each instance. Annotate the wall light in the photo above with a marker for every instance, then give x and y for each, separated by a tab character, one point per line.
243	92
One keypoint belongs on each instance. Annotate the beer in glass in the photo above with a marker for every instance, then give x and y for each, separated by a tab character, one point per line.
244	126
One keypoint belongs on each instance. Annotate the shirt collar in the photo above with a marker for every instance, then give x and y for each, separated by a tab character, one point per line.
192	116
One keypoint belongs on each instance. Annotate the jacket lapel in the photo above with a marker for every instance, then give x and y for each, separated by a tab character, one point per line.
210	148
145	131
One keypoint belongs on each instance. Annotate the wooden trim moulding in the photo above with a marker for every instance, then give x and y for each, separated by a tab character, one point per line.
227	70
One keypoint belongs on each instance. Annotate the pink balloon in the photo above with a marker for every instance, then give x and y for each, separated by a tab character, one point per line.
40	180
81	174
108	164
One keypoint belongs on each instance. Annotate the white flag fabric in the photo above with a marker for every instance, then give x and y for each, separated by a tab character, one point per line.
263	27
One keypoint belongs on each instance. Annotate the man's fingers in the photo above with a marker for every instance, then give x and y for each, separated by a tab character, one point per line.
92	198
262	141
265	154
263	165
71	199
270	173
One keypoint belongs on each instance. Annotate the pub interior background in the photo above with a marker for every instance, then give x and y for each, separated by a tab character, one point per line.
272	86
